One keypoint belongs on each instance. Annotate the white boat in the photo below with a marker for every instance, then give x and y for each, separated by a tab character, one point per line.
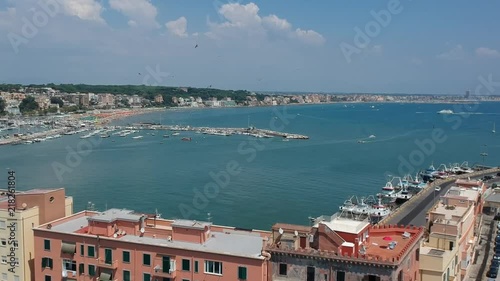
348	206
445	111
361	208
379	211
493	131
403	196
371	137
175	134
137	137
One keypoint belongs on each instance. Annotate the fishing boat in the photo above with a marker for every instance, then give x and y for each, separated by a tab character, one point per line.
186	139
403	196
348	206
361	208
166	136
378	211
137	137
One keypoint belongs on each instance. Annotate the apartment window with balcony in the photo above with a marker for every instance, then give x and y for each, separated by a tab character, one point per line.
46	245
82	250
213	267
126	275
4	242
47	263
186	264
91	251
126	256
146	277
69	265
242	273
146	259
108	256
91	270
48	278
195	266
283	269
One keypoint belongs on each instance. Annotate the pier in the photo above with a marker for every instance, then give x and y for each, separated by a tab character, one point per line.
415	210
252	132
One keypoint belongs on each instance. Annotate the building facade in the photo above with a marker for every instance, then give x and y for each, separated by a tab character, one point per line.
338	249
124	245
32	208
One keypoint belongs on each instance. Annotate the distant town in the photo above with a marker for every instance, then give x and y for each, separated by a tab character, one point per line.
53	99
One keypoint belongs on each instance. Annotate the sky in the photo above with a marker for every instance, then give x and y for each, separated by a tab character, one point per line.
414	47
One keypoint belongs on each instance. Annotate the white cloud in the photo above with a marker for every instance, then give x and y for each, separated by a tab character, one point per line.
141	12
456	53
178	27
487	52
245	19
83	9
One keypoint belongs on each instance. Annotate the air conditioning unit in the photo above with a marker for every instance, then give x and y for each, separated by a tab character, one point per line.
64	273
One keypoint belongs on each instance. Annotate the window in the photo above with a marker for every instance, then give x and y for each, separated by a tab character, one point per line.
451	245
283	269
4	242
147	277
340	276
81	268
213	267
91	270
48	278
186	264
146	259
82	250
51	199
4	259
2	224
242	273
126	275
91	251
126	256
108	256
195	266
69	265
46	245
47	263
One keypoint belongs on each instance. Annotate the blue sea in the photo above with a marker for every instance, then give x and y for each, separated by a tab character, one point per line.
266	180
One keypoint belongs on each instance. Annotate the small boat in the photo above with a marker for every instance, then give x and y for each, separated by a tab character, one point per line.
105	136
175	134
379	211
361	141
348	206
166	136
361	208
403	196
493	131
286	140
186	139
371	137
445	111
137	137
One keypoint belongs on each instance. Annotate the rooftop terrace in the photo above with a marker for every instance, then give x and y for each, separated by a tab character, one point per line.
340	224
223	240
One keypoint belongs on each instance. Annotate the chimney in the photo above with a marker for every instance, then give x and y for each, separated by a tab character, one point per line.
356	247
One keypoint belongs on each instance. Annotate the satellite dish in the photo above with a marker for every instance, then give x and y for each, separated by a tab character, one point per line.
142	230
49	226
115	235
296	233
281	230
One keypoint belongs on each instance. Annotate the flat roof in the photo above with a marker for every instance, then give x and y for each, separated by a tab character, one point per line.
112	215
381	239
340	224
191	224
455	191
292	227
449	211
230	242
493	197
431	251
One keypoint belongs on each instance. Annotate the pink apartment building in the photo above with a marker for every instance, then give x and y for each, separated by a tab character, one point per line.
124	245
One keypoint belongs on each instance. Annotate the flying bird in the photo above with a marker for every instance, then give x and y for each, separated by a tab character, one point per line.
196	46
139	73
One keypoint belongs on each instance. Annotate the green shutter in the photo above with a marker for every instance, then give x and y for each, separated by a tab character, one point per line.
50	262
91	270
242	273
126	256
147	277
146	259
81	268
91	251
126	275
186	265
196	266
46	245
82	250
44	262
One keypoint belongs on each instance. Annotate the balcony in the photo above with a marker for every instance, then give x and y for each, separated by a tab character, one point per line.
158	272
107	264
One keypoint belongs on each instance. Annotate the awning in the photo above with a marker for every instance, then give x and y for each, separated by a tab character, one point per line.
68	248
105	276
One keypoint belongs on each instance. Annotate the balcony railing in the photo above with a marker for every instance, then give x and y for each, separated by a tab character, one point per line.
107	264
160	273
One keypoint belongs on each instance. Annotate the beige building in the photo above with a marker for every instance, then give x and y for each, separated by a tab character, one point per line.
19	214
449	249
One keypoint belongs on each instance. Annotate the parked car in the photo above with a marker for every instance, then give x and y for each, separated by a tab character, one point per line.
496	257
437	188
485	178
